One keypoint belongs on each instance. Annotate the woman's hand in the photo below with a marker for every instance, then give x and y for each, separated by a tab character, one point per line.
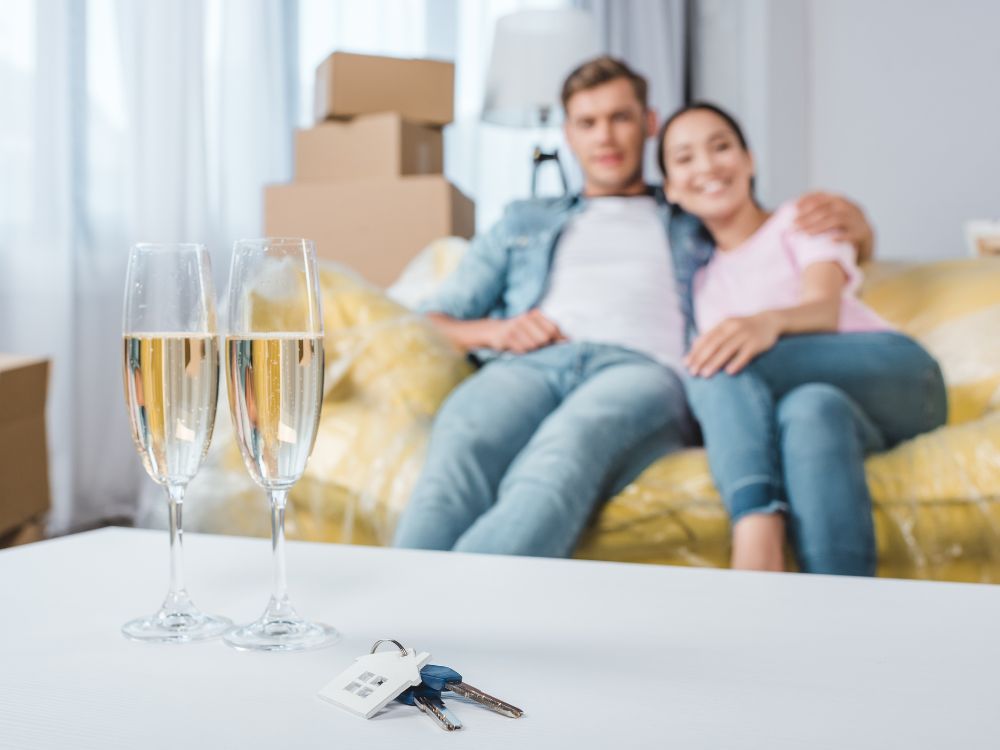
733	344
736	341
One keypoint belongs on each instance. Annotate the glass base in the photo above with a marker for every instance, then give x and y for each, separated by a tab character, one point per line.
282	634
176	627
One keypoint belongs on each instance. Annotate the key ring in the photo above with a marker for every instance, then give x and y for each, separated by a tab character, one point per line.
402	651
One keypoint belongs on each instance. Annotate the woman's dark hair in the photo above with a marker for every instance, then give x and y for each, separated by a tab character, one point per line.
661	156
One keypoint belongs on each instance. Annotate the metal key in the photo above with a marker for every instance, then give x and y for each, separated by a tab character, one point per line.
444	678
428	700
485	699
435	708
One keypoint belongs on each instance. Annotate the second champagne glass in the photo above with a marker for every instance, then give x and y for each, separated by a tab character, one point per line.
274	368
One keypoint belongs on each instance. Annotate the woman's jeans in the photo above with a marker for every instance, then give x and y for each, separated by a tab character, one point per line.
524	450
790	432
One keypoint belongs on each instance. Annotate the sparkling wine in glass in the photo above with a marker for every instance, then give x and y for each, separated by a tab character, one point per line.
171	371
274	371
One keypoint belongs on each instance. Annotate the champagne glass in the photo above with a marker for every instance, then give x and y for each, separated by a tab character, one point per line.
171	373
274	370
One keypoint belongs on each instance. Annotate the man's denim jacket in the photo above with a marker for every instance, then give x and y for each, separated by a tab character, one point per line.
506	271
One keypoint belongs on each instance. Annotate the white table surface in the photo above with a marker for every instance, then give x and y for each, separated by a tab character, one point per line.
598	654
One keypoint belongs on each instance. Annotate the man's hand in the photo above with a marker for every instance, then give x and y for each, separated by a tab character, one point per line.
525	333
825	212
733	344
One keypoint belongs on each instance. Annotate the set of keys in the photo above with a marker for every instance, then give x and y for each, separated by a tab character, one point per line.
435	680
377	678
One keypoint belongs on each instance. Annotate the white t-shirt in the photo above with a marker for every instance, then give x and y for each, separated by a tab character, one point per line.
612	280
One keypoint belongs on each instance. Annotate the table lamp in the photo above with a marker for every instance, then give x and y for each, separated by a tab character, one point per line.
533	52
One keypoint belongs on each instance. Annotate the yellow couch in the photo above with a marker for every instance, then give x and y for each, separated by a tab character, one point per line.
937	498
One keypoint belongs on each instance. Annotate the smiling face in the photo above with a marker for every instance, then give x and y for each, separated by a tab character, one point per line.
606	127
708	170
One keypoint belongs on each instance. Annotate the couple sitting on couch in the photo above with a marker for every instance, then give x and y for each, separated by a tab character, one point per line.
604	320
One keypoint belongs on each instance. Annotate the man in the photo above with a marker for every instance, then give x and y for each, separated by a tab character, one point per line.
572	304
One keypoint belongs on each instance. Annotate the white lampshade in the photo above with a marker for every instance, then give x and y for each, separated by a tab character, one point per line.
533	52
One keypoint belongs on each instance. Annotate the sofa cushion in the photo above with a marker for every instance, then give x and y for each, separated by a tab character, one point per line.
953	309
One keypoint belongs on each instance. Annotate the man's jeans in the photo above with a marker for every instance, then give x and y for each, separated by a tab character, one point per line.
522	452
789	433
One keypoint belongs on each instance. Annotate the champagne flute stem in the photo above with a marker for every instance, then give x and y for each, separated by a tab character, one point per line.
177	599
279	498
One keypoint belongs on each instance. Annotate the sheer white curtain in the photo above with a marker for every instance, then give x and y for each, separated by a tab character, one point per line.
41	134
158	120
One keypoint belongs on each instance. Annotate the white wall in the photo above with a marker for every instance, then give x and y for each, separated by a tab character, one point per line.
898	100
905	115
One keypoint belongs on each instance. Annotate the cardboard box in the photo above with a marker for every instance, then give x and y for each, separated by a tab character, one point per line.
24	472
374	226
26	533
383	145
419	90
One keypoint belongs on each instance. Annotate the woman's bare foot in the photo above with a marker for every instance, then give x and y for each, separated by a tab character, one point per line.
759	542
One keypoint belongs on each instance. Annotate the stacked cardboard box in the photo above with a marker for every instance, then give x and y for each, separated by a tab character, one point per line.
368	184
24	479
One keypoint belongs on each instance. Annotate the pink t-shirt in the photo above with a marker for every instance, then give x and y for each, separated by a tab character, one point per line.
765	273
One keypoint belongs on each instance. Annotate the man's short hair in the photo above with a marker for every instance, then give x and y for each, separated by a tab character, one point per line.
599	71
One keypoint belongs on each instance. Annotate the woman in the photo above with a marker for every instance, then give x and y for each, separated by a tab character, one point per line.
777	316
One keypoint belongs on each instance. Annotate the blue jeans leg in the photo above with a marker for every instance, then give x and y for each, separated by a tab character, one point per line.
824	437
478	431
624	405
889	376
736	414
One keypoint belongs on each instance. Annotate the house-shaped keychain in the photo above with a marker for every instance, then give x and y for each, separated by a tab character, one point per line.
375	679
